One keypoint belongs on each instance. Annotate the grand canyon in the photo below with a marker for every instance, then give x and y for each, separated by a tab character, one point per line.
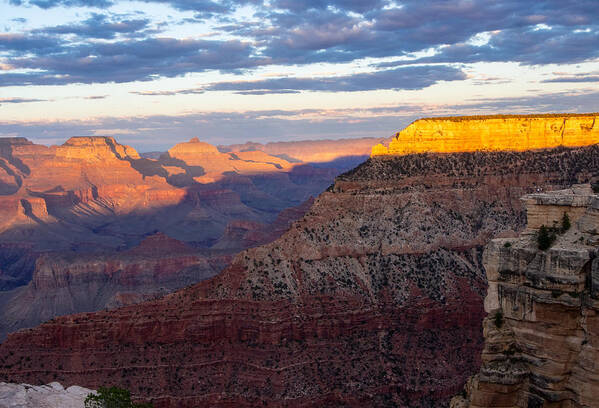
299	204
374	296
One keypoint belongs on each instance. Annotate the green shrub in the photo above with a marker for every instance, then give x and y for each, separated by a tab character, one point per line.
507	245
112	397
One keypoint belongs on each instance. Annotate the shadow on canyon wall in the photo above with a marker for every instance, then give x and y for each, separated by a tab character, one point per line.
72	248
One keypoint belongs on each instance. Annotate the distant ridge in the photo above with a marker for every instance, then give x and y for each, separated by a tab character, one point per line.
311	151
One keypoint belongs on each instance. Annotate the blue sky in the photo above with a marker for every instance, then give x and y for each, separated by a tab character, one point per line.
156	72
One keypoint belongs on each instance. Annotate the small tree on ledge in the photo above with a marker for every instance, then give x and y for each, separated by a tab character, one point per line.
112	397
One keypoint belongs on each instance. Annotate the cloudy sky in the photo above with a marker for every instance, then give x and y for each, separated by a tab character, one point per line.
156	72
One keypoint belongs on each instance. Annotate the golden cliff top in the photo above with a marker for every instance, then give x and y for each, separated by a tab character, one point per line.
492	133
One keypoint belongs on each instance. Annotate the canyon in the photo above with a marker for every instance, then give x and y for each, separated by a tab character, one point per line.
92	224
541	347
374	296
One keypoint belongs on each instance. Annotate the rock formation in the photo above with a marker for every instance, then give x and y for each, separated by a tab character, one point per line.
493	133
373	298
53	395
212	165
542	331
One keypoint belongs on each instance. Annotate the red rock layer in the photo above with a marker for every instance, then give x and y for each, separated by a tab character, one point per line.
373	298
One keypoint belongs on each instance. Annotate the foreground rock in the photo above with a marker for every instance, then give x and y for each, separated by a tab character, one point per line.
373	298
52	395
541	335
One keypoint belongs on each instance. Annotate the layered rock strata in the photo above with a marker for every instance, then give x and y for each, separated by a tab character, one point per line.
493	133
541	335
373	298
65	283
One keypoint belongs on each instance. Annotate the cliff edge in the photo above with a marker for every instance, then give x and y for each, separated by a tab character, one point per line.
493	133
542	331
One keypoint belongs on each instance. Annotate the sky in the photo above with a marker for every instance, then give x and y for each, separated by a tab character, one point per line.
156	72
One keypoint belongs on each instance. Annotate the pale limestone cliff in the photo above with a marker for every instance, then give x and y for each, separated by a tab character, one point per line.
542	331
493	133
53	395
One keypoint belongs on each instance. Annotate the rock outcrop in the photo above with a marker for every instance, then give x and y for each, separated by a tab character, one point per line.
53	395
492	133
542	332
373	298
210	165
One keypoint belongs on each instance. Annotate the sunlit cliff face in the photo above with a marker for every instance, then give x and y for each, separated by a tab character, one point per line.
493	133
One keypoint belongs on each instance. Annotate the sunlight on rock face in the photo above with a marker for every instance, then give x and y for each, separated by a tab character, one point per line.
493	133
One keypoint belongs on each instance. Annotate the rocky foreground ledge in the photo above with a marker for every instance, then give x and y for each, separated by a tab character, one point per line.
542	331
53	395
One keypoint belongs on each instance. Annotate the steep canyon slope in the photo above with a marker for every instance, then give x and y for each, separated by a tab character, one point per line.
373	297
